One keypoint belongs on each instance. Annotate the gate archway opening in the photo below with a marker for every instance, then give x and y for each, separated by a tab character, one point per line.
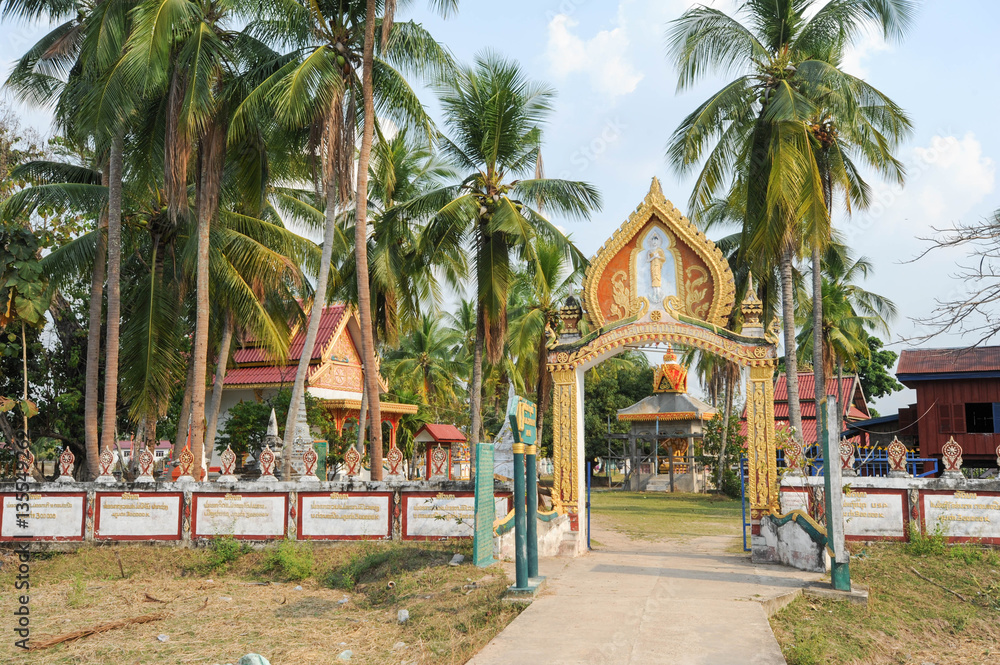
658	280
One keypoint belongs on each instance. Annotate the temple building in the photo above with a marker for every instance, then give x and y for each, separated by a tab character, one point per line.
335	375
958	396
673	419
854	406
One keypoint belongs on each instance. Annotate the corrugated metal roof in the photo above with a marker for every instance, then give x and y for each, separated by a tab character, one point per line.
443	433
807	387
328	324
944	361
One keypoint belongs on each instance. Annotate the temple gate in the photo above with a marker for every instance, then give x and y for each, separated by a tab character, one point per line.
659	279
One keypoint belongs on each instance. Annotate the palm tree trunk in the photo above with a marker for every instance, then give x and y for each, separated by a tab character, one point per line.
220	375
840	396
817	311
212	158
362	419
180	439
92	381
727	411
791	362
361	246
109	428
312	329
542	388
476	389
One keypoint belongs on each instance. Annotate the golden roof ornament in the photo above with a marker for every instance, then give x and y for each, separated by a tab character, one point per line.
671	375
752	309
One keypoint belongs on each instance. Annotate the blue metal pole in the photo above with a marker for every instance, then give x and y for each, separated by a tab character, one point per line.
590	472
743	505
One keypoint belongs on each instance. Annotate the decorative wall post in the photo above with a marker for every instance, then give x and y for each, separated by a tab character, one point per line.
951	456
66	460
896	454
106	463
847	459
762	484
228	459
145	461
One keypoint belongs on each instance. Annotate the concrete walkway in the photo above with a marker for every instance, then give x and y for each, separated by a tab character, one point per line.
682	602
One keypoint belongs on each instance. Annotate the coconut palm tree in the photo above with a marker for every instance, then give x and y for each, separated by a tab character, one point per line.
754	135
850	314
425	364
407	260
538	294
59	70
494	116
318	88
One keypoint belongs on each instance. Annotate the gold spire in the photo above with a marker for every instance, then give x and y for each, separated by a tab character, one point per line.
671	375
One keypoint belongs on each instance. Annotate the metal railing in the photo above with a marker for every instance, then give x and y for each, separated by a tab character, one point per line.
870	463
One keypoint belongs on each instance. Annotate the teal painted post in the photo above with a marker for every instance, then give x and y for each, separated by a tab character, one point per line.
521	414
482	542
840	569
520	525
531	479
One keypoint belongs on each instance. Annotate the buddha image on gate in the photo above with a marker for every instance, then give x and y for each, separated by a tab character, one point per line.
658	267
656	277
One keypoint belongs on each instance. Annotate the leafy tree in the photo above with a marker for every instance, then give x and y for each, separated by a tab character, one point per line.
875	370
714	444
757	136
614	384
494	115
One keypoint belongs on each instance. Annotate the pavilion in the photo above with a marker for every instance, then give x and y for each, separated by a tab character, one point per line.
673	419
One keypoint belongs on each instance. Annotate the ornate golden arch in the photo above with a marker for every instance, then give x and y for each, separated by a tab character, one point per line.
694	316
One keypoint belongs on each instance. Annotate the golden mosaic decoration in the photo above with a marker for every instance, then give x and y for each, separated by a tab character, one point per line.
679	228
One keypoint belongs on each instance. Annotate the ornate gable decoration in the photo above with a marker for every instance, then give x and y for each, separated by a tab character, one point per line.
656	267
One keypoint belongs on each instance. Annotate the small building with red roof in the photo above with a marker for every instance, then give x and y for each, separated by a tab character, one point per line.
335	377
445	446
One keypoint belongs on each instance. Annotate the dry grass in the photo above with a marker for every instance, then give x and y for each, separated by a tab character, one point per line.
219	611
907	619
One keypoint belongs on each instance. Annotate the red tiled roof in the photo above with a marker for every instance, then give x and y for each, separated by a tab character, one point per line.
246	376
443	433
943	361
328	324
807	385
851	412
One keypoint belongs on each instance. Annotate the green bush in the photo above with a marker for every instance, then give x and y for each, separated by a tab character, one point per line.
290	561
223	551
922	545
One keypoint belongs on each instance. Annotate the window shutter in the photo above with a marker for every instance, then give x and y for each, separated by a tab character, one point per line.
958	418
944	418
996	417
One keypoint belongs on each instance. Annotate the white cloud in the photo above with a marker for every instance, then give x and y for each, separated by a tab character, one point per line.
602	57
854	59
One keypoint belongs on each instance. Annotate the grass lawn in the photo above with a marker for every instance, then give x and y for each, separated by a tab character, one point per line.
220	603
908	620
656	515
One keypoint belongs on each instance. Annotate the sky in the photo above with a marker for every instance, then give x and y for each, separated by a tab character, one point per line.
617	105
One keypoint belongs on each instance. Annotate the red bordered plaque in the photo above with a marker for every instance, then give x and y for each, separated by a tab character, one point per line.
437	515
870	514
138	515
963	516
243	515
344	516
55	516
